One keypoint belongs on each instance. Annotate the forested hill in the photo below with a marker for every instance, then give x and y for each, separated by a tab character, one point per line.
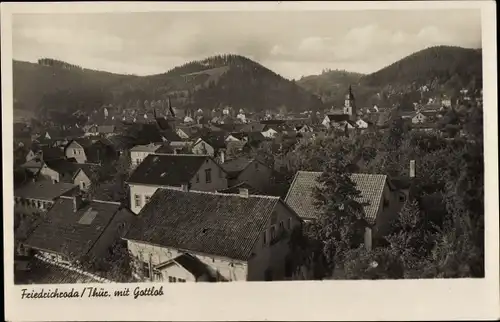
442	69
225	80
445	65
330	83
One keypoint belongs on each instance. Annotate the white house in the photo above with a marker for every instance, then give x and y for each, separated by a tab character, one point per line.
269	133
139	152
361	124
179	171
419	118
203	236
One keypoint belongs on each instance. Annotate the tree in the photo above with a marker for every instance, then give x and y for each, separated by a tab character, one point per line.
340	225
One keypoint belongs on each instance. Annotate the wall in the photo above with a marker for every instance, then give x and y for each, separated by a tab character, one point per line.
141	252
31	206
75	150
258	178
272	256
49	174
175	270
386	215
218	176
218	182
82	180
137	157
198	148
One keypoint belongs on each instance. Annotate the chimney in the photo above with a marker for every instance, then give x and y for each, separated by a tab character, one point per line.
77	202
222	156
412	168
243	193
185	188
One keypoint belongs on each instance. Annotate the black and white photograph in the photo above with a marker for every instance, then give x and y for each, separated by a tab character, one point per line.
161	147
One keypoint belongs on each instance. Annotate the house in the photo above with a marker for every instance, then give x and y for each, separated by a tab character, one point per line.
77	149
198	236
198	172
38	197
248	170
139	152
331	119
304	128
80	174
380	199
362	124
75	229
213	144
424	116
269	132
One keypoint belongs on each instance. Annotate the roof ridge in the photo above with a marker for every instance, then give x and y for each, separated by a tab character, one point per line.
104	201
180	154
222	193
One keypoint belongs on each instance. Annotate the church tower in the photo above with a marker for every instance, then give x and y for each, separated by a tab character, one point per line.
350	105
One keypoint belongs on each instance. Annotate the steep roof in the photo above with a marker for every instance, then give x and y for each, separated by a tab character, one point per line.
44	190
217	140
209	223
301	199
234	167
70	233
167	169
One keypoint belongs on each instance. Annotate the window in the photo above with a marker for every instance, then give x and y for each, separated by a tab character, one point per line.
289	223
197	178
137	199
264	238
172	279
282	226
208	175
83	184
402	197
158	276
386	203
181	280
145	270
273	232
146	199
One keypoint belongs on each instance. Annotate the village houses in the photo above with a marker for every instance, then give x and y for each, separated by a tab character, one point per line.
251	171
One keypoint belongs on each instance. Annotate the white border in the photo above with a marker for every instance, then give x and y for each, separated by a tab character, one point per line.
335	300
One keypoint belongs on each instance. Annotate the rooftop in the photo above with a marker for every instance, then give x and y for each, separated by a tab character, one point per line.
235	166
210	223
71	233
151	147
301	199
167	169
43	190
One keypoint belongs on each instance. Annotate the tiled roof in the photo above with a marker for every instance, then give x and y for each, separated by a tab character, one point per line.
43	272
301	199
145	148
167	170
209	223
235	166
44	190
70	233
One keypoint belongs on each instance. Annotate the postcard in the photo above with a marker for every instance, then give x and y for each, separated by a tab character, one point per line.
250	161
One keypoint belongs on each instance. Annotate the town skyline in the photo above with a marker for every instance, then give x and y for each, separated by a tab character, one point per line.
291	44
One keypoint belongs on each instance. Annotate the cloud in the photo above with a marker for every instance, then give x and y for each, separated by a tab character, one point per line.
295	43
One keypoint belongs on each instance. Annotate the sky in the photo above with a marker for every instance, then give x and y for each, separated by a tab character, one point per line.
293	44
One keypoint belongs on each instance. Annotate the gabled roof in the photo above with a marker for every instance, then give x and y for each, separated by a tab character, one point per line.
44	190
167	169
192	264
68	169
145	148
338	117
71	233
209	223
217	140
234	167
301	199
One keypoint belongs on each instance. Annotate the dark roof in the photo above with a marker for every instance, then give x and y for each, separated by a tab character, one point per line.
209	223
43	272
149	133
167	170
70	233
242	185
235	166
170	135
44	190
51	153
217	140
338	117
301	199
68	169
